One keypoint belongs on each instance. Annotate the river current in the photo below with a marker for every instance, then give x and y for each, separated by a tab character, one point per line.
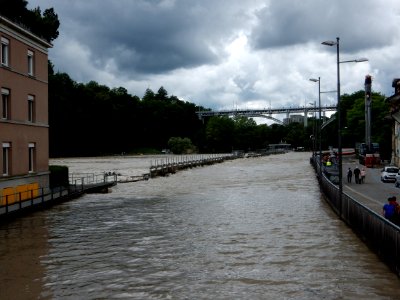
255	228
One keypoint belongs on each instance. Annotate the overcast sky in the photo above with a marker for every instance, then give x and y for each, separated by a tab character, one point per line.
226	54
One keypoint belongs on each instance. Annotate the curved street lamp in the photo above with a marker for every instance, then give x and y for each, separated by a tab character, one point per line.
319	123
340	162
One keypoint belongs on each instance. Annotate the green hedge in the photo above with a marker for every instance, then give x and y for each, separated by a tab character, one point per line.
58	176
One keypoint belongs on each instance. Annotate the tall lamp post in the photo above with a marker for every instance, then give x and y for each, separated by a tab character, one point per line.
340	162
319	123
314	129
319	120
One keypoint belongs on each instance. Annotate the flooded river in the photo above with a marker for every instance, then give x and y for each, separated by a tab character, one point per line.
254	228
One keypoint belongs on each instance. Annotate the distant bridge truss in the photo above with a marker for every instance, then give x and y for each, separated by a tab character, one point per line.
267	112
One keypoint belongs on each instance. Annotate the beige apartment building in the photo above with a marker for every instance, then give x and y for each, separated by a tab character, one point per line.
24	138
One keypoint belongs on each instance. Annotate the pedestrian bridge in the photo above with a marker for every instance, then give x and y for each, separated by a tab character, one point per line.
268	113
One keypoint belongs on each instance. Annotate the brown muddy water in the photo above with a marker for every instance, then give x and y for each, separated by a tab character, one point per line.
254	228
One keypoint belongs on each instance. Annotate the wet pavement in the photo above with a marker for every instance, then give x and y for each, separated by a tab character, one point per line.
373	193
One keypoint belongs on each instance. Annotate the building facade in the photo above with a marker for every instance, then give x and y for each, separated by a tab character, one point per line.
24	138
294	119
394	102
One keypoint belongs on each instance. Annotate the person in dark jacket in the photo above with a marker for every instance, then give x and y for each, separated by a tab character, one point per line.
349	175
357	175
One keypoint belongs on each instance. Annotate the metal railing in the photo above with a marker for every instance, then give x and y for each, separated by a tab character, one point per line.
381	235
16	201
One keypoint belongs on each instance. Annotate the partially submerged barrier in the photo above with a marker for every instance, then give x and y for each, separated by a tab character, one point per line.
172	165
20	199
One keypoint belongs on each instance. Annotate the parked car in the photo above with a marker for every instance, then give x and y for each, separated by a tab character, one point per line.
389	173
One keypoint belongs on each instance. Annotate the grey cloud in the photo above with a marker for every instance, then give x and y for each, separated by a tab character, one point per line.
359	24
188	46
154	36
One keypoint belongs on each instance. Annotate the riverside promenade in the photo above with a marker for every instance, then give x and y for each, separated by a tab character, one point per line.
373	193
360	207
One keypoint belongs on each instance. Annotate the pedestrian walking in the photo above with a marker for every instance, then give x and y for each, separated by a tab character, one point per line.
363	173
357	175
349	175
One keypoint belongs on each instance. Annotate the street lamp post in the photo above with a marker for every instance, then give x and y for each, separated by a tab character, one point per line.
319	123
314	129
340	161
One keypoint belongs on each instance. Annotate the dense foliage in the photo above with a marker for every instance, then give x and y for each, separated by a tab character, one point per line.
44	24
92	119
353	119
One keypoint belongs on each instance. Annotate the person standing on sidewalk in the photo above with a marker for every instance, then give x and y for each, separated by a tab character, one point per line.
357	175
349	175
389	209
363	173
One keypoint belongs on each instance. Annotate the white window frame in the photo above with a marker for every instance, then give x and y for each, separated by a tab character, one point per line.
30	63
31	157
5	51
31	108
5	104
6	158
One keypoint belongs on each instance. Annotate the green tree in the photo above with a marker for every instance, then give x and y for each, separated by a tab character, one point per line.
220	134
13	9
296	136
180	145
43	25
245	133
353	123
162	94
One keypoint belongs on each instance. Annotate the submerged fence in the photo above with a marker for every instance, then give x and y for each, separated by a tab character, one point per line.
17	202
381	235
174	164
13	200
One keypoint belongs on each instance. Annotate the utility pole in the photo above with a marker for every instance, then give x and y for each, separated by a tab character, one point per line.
368	142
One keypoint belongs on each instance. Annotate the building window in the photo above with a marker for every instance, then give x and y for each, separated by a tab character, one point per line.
5	44
30	63
5	103
31	108
6	158
31	158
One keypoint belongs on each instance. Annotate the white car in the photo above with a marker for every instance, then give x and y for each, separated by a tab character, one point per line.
389	173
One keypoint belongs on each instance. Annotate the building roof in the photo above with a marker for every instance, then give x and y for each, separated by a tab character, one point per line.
22	33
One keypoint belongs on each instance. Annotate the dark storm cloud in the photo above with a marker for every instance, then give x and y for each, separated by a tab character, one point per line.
153	36
225	53
359	24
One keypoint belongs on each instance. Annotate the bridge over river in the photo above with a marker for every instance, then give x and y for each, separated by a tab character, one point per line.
267	112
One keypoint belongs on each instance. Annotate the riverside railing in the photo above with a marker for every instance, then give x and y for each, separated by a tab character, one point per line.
16	201
170	165
381	235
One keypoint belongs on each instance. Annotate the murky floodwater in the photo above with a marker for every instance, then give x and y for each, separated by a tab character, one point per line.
245	229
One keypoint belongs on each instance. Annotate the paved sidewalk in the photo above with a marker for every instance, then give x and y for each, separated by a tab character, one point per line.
373	193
